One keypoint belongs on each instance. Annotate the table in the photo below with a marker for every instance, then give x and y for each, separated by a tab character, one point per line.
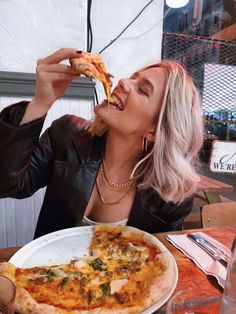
212	188
190	276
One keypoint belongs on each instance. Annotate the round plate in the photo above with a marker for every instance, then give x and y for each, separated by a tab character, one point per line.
62	246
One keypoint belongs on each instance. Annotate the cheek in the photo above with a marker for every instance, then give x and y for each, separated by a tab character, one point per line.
137	123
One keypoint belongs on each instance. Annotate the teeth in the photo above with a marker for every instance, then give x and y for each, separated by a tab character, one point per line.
117	104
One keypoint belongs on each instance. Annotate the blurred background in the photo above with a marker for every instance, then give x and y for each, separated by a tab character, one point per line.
201	34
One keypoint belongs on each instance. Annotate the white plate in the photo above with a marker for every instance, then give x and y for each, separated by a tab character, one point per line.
64	245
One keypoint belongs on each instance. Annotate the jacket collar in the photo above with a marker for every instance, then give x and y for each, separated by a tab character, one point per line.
90	149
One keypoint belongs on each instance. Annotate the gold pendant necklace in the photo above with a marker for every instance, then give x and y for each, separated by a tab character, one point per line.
105	202
111	185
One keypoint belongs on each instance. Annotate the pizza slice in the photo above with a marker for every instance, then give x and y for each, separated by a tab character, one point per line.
125	274
92	65
120	244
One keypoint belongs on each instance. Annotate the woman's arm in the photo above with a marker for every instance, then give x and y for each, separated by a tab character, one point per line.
25	161
52	79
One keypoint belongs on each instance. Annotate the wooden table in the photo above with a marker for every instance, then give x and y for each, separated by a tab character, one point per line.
212	188
190	276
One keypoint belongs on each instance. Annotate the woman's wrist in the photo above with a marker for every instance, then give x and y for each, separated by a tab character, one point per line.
35	110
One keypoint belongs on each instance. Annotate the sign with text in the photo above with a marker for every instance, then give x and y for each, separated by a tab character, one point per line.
223	157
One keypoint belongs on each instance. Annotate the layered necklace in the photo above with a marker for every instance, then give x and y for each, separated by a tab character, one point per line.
122	187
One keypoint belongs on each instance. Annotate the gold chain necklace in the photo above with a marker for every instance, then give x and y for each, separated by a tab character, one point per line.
111	185
105	202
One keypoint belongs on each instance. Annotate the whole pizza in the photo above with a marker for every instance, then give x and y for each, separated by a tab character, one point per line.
126	272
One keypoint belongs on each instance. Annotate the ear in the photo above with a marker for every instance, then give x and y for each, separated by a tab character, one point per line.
150	135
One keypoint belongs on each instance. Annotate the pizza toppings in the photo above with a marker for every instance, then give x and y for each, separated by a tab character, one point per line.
123	298
80	263
97	264
106	289
92	65
117	284
118	275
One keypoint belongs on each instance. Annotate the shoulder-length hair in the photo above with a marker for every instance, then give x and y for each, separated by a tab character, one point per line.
170	165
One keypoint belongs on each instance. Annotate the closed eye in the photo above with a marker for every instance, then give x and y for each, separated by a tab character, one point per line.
142	91
145	87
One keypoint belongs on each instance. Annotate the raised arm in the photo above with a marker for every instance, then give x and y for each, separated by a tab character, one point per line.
52	79
25	161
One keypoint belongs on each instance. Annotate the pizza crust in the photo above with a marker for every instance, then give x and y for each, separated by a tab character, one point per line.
26	304
161	284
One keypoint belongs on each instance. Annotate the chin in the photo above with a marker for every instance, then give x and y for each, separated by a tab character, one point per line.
102	111
99	107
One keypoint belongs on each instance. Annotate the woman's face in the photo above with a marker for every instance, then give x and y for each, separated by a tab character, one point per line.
138	100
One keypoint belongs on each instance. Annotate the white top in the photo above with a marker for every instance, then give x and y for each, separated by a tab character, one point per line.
88	222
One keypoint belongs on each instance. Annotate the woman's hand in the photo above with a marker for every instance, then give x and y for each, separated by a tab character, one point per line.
52	79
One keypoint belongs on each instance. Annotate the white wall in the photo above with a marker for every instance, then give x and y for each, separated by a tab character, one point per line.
132	50
32	29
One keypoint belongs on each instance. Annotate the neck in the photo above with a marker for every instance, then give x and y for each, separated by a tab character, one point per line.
122	152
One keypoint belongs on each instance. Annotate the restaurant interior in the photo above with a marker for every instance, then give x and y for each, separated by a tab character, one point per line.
201	35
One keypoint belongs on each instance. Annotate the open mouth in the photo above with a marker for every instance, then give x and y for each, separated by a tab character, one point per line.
116	103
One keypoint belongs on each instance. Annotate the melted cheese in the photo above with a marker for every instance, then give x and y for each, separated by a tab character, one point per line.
117	284
81	263
117	273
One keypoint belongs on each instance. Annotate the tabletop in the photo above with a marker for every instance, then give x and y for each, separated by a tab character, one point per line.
207	184
190	276
212	188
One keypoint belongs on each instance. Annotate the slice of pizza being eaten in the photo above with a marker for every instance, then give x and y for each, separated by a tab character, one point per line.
92	65
125	274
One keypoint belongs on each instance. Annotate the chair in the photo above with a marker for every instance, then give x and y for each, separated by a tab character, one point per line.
218	214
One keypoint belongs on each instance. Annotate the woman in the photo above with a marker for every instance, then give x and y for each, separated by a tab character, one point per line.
138	172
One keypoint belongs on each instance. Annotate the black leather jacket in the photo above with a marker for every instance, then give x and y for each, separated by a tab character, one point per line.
66	159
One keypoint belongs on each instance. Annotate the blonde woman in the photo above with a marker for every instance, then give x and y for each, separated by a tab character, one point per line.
138	170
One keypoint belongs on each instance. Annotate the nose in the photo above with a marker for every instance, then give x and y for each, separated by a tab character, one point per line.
125	84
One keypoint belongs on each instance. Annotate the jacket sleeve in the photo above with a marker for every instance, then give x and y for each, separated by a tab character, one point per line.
172	215
25	161
152	214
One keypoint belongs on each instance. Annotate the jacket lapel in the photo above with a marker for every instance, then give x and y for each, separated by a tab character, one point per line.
90	151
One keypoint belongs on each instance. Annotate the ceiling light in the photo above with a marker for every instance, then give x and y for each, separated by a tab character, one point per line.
176	3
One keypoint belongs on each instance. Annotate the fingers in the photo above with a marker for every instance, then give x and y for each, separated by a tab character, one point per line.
56	68
58	56
54	77
109	76
54	73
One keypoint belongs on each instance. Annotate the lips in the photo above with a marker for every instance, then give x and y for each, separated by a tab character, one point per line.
117	103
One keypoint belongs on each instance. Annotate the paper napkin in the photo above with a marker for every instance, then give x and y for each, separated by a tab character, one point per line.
204	261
